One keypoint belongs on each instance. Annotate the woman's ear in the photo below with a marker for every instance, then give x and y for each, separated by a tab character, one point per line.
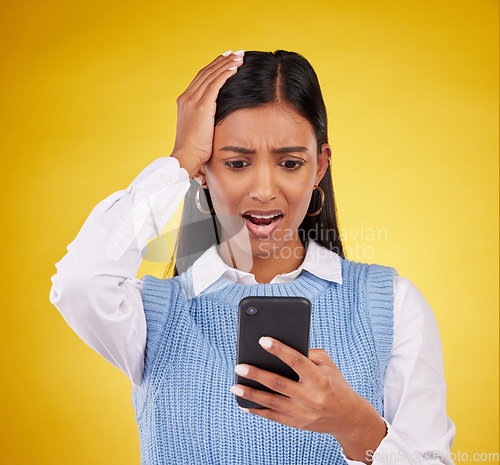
201	177
324	159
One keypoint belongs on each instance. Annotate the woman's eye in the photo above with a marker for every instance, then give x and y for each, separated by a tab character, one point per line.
238	164
230	164
297	163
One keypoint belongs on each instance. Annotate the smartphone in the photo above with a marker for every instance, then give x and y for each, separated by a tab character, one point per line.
287	319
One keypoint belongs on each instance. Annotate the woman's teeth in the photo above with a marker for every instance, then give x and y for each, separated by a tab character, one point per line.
262	220
259	216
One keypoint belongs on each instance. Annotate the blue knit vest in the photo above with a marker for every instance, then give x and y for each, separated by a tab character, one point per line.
186	414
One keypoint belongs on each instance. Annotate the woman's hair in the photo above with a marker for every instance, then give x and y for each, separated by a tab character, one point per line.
264	78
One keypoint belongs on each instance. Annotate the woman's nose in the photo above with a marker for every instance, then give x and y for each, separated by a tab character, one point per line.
264	185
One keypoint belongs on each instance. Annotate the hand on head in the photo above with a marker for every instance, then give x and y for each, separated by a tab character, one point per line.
196	108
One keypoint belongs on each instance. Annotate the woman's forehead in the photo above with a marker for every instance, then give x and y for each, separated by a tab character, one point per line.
285	112
271	125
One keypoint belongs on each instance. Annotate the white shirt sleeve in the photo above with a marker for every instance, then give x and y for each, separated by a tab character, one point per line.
418	429
95	288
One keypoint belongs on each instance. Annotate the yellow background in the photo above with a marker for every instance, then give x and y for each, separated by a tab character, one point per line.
88	93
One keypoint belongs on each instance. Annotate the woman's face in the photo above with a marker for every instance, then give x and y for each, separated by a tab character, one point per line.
264	160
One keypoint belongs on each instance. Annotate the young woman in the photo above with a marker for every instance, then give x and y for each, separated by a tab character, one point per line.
252	136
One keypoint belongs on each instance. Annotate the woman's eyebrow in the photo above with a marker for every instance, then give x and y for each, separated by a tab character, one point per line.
295	148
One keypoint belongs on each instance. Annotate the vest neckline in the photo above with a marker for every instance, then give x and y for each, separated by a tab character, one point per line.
229	292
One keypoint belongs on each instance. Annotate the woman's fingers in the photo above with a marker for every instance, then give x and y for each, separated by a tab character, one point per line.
221	63
266	399
302	365
205	70
209	87
273	381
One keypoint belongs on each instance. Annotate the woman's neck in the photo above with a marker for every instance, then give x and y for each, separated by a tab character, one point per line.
266	263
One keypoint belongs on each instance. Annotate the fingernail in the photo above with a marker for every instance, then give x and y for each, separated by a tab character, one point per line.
237	391
265	342
233	67
241	370
225	54
239	52
244	409
238	59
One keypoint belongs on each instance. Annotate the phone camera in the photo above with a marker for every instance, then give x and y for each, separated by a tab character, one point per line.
251	311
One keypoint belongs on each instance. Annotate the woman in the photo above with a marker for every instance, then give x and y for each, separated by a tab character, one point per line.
252	133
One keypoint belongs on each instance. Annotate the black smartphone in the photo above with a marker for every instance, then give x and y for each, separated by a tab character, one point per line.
287	319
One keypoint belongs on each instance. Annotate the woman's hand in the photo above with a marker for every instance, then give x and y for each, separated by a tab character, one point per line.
321	401
196	112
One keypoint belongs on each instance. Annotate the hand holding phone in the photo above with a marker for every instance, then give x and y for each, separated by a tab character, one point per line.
286	319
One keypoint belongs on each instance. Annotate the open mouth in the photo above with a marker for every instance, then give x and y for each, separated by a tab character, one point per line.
262	226
261	220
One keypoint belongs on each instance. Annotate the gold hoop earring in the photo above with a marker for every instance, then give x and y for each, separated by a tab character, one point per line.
322	201
198	204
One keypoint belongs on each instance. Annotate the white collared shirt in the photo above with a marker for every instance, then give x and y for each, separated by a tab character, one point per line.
96	291
318	260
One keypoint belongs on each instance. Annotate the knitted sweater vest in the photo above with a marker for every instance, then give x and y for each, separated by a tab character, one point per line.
185	412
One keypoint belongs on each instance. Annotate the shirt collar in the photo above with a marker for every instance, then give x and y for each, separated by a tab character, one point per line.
319	261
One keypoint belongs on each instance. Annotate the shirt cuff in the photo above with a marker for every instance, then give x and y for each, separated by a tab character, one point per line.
383	448
393	450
